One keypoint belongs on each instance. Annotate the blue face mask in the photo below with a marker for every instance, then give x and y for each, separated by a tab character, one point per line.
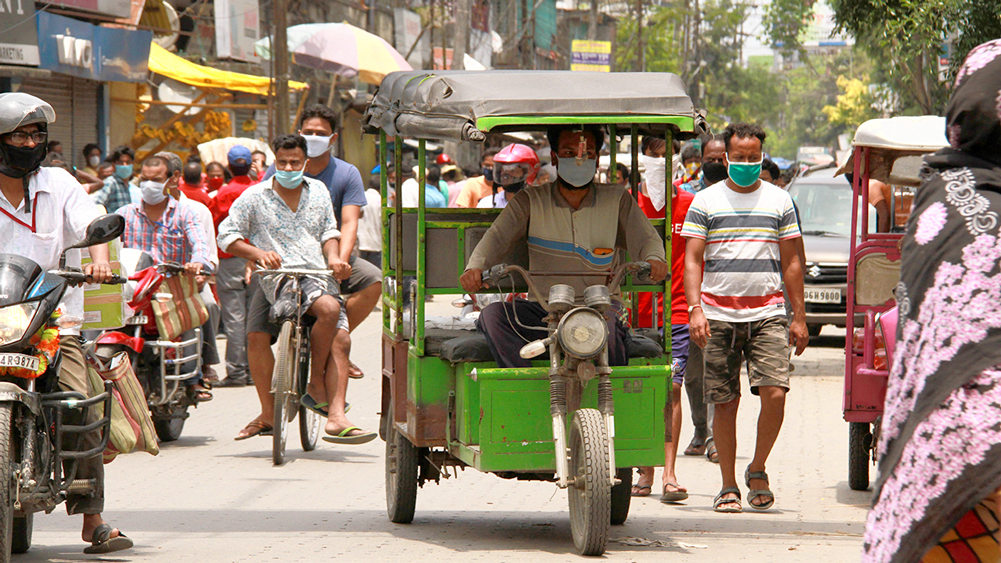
123	171
744	174
289	179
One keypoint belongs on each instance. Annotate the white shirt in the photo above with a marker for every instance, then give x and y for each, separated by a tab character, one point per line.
498	201
370	224
205	218
411	193
62	211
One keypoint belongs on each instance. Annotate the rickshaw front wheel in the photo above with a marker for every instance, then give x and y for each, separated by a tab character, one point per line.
590	490
401	475
621	496
859	447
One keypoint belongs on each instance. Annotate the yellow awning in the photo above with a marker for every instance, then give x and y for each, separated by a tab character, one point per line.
163	62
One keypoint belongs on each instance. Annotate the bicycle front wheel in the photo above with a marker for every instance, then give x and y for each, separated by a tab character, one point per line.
281	384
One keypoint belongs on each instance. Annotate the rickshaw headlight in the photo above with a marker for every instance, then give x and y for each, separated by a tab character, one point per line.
583	333
15	320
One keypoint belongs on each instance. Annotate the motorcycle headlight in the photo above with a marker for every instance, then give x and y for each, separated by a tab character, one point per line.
583	333
14	321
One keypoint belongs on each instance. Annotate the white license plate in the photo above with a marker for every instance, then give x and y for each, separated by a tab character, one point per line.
137	320
19	361
822	295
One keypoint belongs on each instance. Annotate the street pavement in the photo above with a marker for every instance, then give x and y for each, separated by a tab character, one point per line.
207	497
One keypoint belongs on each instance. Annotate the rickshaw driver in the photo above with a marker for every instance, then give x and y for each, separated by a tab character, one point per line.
578	226
289	220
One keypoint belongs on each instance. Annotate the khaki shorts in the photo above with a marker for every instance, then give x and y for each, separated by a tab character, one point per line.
763	344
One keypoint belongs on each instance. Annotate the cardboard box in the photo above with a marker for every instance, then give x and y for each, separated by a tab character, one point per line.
104	305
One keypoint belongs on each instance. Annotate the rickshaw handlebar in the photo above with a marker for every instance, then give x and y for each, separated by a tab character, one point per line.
297	272
499	271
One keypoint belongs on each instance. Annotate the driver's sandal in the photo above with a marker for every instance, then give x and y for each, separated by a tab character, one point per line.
719	501
102	542
754	493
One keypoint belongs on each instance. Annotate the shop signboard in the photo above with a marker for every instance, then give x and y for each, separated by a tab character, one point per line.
592	56
19	41
105	54
237	25
116	8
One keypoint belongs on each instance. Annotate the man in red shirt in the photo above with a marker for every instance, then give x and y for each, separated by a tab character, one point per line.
234	293
191	184
680	201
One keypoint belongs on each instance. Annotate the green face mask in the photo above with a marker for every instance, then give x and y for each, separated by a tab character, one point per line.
744	174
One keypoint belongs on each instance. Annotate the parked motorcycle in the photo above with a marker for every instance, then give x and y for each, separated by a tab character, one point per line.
32	409
162	366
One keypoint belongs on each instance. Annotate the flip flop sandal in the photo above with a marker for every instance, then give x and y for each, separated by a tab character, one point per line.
354	372
199	395
673	496
319	408
102	542
748	475
640	491
719	501
344	438
256	428
696	447
711	453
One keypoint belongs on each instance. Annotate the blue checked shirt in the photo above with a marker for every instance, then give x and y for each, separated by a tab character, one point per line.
114	195
177	237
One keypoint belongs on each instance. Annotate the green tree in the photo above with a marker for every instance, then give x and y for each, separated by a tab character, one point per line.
854	106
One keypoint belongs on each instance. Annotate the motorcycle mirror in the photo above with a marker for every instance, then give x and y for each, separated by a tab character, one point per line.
105	228
533	349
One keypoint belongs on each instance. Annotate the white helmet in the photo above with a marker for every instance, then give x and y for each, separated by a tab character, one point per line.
18	108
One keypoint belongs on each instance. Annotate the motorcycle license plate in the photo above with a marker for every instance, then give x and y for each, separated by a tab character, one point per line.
19	361
821	295
137	320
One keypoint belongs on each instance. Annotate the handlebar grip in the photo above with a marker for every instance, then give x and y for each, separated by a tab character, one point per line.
116	279
493	274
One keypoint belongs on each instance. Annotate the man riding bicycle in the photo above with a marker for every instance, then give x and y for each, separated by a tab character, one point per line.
288	221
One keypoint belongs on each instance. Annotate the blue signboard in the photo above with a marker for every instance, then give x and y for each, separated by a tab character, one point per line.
105	54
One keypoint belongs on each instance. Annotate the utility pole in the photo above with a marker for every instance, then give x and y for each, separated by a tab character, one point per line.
279	51
461	35
640	65
592	30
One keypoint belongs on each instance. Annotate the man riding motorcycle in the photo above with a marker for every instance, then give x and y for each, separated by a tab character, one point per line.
44	211
572	225
515	167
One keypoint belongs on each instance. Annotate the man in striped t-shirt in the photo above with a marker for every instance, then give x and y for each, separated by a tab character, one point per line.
744	232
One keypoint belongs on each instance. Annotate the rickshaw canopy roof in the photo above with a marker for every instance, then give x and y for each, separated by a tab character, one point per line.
921	133
891	140
463	106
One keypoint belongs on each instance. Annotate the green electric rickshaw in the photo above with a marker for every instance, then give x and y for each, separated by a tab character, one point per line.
445	403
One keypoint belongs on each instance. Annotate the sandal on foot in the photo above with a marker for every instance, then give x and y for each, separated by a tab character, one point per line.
311	404
354	372
344	438
696	447
752	494
640	491
719	501
254	428
102	542
676	495
197	395
711	453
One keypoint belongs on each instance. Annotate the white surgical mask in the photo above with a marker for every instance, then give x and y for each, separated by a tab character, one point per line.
94	161
656	179
316	145
152	192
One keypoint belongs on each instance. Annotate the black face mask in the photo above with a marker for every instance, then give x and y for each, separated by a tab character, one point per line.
512	189
714	172
239	169
488	174
18	162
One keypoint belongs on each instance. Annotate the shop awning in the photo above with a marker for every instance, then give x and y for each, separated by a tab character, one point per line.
163	62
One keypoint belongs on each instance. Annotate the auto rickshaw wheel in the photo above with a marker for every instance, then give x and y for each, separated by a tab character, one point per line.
401	475
859	444
590	490
621	495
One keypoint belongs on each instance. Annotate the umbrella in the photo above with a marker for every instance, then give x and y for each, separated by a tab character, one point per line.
340	48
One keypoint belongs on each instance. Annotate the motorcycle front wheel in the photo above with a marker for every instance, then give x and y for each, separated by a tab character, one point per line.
169	428
7	488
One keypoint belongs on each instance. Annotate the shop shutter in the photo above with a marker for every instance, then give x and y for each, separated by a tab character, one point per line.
75	102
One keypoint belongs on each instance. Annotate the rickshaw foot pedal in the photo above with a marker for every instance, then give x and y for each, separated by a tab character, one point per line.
79	486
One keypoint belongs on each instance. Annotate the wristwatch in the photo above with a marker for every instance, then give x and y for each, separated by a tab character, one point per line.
692	307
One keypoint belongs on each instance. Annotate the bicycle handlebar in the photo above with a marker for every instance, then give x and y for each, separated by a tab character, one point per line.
297	272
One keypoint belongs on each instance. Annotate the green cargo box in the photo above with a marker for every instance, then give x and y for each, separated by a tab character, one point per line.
499	419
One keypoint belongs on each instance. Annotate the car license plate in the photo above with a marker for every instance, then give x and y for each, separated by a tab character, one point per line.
19	361
822	295
137	320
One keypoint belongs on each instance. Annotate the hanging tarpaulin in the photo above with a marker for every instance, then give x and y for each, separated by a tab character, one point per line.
165	63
